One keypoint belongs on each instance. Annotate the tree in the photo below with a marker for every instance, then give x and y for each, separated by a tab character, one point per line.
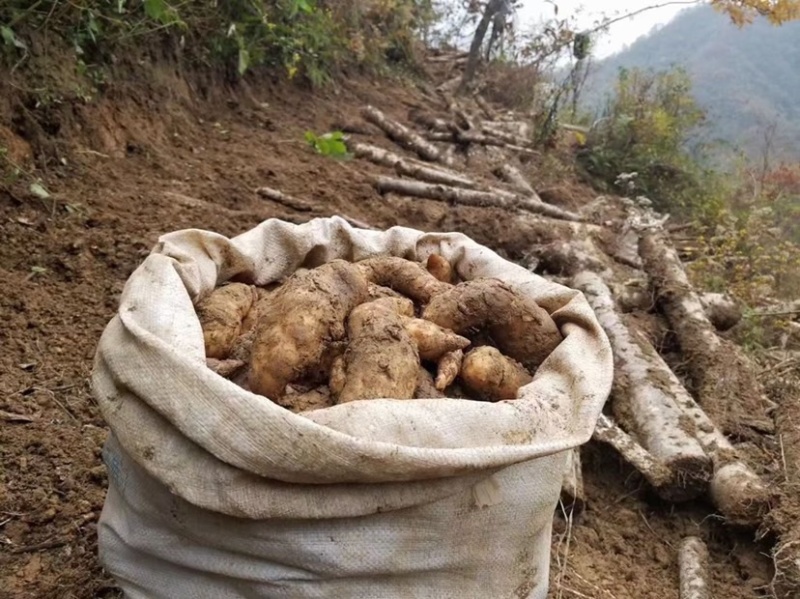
495	10
743	12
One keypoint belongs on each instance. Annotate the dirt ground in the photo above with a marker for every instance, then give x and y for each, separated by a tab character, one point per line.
150	158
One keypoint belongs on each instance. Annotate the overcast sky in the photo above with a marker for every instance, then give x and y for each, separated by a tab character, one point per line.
621	34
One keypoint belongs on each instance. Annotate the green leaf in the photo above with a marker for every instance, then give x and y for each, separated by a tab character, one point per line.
155	9
39	191
244	60
311	138
10	38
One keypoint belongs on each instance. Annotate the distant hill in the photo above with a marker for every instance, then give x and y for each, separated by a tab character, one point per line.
745	79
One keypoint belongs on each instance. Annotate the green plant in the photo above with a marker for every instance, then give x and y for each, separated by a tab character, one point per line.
330	144
313	39
644	129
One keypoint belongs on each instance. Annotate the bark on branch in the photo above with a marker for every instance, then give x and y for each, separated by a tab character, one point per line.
403	135
511	175
474	137
412	168
724	379
471	197
637	456
643	399
693	565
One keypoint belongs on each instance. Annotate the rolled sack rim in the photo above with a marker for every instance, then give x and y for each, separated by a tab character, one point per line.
162	365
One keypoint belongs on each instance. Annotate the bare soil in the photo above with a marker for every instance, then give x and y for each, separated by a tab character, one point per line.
162	153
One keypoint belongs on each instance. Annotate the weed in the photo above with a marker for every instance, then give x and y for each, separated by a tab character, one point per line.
328	144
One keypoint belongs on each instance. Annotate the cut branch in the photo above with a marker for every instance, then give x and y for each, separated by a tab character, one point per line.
433	122
470	137
643	399
786	518
511	175
724	379
722	310
411	168
403	135
286	200
508	138
470	197
637	456
693	566
484	106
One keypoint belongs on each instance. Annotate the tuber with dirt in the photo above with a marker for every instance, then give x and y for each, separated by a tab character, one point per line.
381	328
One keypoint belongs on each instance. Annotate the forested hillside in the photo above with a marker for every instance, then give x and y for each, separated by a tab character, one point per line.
747	79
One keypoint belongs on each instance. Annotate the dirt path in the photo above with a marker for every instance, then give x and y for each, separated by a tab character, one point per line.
148	162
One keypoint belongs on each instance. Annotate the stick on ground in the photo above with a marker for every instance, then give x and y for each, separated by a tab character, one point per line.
411	168
470	197
643	399
693	569
637	456
402	135
511	175
724	379
286	200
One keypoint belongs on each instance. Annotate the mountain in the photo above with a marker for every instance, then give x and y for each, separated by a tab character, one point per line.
747	80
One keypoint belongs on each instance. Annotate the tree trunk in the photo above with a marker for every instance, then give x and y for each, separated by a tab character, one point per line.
724	379
511	175
637	456
693	565
470	197
412	168
786	519
403	135
643	399
474	57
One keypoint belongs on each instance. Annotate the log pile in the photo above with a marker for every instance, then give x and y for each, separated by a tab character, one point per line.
679	428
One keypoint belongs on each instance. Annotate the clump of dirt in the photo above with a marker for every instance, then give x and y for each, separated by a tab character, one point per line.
160	153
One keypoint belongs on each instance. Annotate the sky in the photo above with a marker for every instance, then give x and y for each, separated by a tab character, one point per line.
620	34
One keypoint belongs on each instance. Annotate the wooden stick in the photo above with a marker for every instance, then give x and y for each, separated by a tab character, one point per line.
411	168
637	456
471	197
724	378
286	200
463	120
693	566
402	135
786	518
484	106
358	224
511	175
470	137
433	123
508	138
643	392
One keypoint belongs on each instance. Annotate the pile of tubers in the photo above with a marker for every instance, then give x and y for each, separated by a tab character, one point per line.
384	327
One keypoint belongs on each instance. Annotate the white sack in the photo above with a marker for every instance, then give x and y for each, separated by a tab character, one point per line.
217	492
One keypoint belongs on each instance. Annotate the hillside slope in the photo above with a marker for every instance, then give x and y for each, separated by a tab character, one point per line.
126	174
746	79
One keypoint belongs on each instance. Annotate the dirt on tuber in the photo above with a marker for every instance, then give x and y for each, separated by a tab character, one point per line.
381	328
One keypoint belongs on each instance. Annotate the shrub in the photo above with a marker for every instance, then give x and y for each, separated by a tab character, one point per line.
309	37
643	129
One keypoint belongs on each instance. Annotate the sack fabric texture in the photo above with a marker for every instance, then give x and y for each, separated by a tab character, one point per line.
216	492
